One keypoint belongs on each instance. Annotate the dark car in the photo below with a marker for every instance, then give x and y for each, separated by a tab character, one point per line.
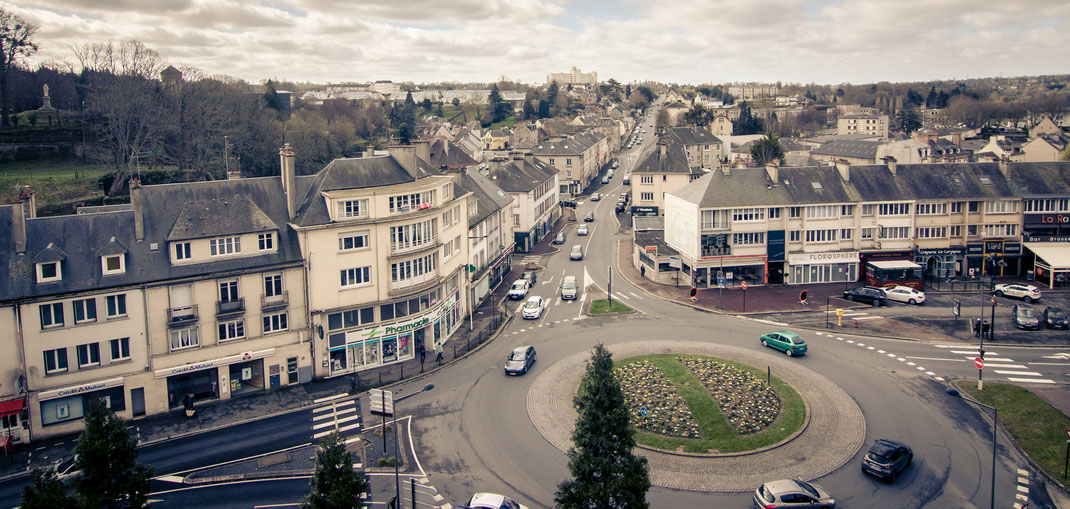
886	459
868	294
588	217
1025	317
520	360
531	276
560	238
1055	318
620	207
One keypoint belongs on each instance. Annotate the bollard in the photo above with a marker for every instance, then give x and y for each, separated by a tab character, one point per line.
856	324
380	379
768	374
455	350
402	371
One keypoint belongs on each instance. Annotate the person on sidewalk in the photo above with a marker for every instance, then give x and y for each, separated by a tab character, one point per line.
642	270
188	404
438	353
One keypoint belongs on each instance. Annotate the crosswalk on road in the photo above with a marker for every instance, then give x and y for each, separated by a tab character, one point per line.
339	412
995	363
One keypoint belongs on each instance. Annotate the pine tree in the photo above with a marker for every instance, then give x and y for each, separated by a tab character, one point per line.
605	472
767	149
107	458
335	485
45	491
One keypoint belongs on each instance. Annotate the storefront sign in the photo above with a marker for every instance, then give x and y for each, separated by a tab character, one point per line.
1054	238
80	389
774	247
1046	219
197	366
645	210
823	258
398	328
941	251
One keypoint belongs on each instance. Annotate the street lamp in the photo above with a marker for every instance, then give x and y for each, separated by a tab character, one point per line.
397	475
995	423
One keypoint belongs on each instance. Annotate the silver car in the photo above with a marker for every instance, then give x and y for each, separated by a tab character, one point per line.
577	253
788	493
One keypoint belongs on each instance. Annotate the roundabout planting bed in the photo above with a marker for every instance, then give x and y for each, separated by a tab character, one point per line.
700	404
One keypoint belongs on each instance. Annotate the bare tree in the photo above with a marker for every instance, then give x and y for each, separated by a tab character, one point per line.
130	58
16	42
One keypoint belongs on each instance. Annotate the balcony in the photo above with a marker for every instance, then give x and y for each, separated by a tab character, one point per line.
417	283
412	248
181	316
230	307
272	302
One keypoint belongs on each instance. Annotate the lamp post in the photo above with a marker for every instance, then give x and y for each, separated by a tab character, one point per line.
995	423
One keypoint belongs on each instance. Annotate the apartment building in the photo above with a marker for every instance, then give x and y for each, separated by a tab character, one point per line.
662	171
703	148
872	124
490	239
572	77
534	187
577	158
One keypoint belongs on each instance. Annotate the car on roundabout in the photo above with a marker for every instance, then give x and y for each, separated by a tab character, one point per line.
886	459
520	360
493	501
596	197
1027	293
560	238
66	470
530	276
532	309
788	493
905	294
576	253
588	217
786	341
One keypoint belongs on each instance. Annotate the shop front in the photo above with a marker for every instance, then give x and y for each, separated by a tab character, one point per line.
14	423
69	404
831	267
729	271
1051	262
241	373
996	258
645	211
940	263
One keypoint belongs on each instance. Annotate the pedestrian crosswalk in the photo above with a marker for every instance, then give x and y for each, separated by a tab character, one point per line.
853	315
1007	367
338	412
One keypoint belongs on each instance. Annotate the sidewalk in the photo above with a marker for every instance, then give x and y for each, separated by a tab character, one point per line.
489	318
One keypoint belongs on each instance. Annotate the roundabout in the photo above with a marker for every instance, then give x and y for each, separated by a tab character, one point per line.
833	431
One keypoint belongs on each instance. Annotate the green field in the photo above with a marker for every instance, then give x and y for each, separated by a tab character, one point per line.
53	181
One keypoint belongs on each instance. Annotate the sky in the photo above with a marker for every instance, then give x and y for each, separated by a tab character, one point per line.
679	41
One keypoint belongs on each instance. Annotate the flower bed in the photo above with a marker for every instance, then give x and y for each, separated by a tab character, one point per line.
746	401
644	385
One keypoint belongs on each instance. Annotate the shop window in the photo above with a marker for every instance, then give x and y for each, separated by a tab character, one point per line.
51	315
120	349
116	305
85	310
55	361
88	355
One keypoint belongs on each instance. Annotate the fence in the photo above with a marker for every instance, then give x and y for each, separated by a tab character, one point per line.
978	285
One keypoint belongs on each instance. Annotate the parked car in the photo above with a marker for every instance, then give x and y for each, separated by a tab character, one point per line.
588	217
605	180
610	173
786	341
519	290
582	230
1028	293
569	288
577	253
1025	317
530	276
559	238
596	197
869	294
792	493
628	179
615	165
1055	318
886	459
905	294
493	501
520	360
532	308
66	471
620	207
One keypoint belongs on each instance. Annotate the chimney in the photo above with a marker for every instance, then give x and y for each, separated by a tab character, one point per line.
18	227
138	205
892	163
30	202
423	150
405	155
516	155
446	148
289	182
662	148
844	168
529	157
1005	167
772	168
369	152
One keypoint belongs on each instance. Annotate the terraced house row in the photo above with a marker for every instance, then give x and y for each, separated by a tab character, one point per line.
846	223
215	289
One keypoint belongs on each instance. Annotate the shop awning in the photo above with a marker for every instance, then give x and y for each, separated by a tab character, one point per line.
1055	255
12	407
893	264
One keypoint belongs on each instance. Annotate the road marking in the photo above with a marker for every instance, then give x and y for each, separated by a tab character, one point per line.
1000	360
869	318
169	478
851	341
935	359
891	355
911	364
1022	373
325	408
346	410
969	352
1050	363
1032	380
881	351
938	378
634	295
1008	366
920	368
328	398
870	347
622	296
1023	489
930	373
1023	480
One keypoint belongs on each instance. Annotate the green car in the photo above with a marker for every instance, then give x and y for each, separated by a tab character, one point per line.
789	342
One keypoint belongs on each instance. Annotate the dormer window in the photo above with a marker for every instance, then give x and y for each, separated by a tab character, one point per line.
266	241
352	208
113	264
49	272
224	246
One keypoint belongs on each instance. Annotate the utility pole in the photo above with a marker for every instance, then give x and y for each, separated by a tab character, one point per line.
609	287
226	155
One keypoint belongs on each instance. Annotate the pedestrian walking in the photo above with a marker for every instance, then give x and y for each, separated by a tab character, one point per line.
438	353
642	270
694	294
188	404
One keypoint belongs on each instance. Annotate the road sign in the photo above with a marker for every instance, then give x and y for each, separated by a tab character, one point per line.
957	309
643	412
743	285
381	402
993	300
1068	434
979	362
720	282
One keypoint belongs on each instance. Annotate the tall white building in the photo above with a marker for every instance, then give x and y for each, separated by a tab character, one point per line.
572	77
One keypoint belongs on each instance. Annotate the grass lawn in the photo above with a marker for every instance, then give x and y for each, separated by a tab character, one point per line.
1037	426
602	307
53	181
717	434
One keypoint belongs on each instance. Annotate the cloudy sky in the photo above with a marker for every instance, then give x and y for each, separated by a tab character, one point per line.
681	41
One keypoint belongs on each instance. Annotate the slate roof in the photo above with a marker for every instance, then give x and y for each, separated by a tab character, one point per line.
520	176
445	154
692	136
674	161
572	146
848	148
353	173
219	216
489	197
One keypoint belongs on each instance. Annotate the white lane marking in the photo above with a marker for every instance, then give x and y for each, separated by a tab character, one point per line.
1022	373
328	398
335	414
938	378
920	368
169	478
900	359
1032	380
325	408
634	295
971	352
1050	363
871	348
850	341
881	351
891	355
911	364
1008	366
869	318
1023	480
622	296
1023	489
930	373
936	359
1022	471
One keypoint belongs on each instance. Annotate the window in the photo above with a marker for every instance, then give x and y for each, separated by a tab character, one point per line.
273	285
1047	205
818	236
974	206
116	305
412	236
351	241
867	209
568	161
1000	230
48	272
516	219
748	239
51	315
956	231
895	232
931	232
867	233
55	361
184	338
353	317
774	213
120	349
356	276
234	329
747	215
275	323
266	241
821	211
224	246
646	179
409	269
956	207
228	291
931	209
414	201
971	229
845	233
113	264
182	251
794	212
352	208
894	209
714	219
451	248
88	355
85	310
646	196
794	236
1001	207
847	210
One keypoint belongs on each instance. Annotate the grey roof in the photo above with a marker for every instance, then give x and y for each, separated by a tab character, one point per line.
573	145
1040	179
641	223
654	238
353	173
520	176
693	136
489	197
219	215
445	154
674	160
849	148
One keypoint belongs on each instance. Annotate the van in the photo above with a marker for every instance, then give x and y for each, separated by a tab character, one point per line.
569	289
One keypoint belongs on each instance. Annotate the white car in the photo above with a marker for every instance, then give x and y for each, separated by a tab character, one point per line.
519	289
66	471
1028	293
493	501
532	308
582	230
905	294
